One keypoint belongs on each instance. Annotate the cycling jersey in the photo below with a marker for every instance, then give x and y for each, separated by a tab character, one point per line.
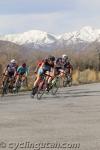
46	67
68	67
59	62
11	68
63	64
22	70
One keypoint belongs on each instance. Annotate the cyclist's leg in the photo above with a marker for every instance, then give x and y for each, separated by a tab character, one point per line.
11	79
24	80
16	79
5	76
38	77
51	76
5	83
47	80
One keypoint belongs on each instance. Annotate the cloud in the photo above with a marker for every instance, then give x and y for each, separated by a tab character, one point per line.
34	6
57	23
88	4
87	7
54	16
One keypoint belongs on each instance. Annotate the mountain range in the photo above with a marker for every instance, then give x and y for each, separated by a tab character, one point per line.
40	40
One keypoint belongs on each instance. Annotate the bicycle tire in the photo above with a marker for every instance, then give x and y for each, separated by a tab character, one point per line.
5	88
17	87
41	89
65	83
55	86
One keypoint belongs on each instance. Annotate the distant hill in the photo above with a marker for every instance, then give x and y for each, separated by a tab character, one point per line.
10	50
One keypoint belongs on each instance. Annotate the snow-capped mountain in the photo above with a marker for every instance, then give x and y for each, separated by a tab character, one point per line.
36	39
86	34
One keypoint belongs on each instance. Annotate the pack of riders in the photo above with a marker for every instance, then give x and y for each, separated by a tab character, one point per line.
14	71
51	66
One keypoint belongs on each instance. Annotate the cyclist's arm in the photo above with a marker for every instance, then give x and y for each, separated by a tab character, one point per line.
36	69
53	72
5	70
27	72
70	69
19	69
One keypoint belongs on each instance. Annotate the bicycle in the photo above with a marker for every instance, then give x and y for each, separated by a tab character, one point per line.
44	87
7	85
19	84
54	85
67	80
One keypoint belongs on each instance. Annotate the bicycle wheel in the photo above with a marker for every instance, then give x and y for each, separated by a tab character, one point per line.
55	85
34	91
41	89
17	87
11	85
65	82
70	84
5	87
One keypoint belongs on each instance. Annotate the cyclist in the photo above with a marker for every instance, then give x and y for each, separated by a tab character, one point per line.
66	64
22	72
64	59
63	65
67	67
10	70
39	63
47	66
58	66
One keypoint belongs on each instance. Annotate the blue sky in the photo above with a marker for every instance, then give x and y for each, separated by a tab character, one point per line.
53	16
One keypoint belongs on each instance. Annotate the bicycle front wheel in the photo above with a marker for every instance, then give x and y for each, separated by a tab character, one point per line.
17	87
5	88
41	90
55	86
65	83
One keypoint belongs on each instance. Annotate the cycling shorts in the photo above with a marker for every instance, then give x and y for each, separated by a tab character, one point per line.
10	74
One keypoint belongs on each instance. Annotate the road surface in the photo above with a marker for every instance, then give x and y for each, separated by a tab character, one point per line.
69	119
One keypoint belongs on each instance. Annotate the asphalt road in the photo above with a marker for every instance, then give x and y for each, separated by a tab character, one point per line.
68	120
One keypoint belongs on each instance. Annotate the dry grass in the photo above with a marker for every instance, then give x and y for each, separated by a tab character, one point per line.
87	76
79	77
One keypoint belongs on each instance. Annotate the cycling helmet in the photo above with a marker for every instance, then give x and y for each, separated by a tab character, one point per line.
24	65
13	61
51	58
64	56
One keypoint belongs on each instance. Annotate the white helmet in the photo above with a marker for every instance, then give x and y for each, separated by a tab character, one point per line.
64	56
13	61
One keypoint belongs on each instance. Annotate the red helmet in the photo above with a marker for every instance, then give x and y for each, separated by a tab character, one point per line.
24	65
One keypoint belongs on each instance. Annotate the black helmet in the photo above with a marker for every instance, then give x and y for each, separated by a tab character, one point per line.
52	58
